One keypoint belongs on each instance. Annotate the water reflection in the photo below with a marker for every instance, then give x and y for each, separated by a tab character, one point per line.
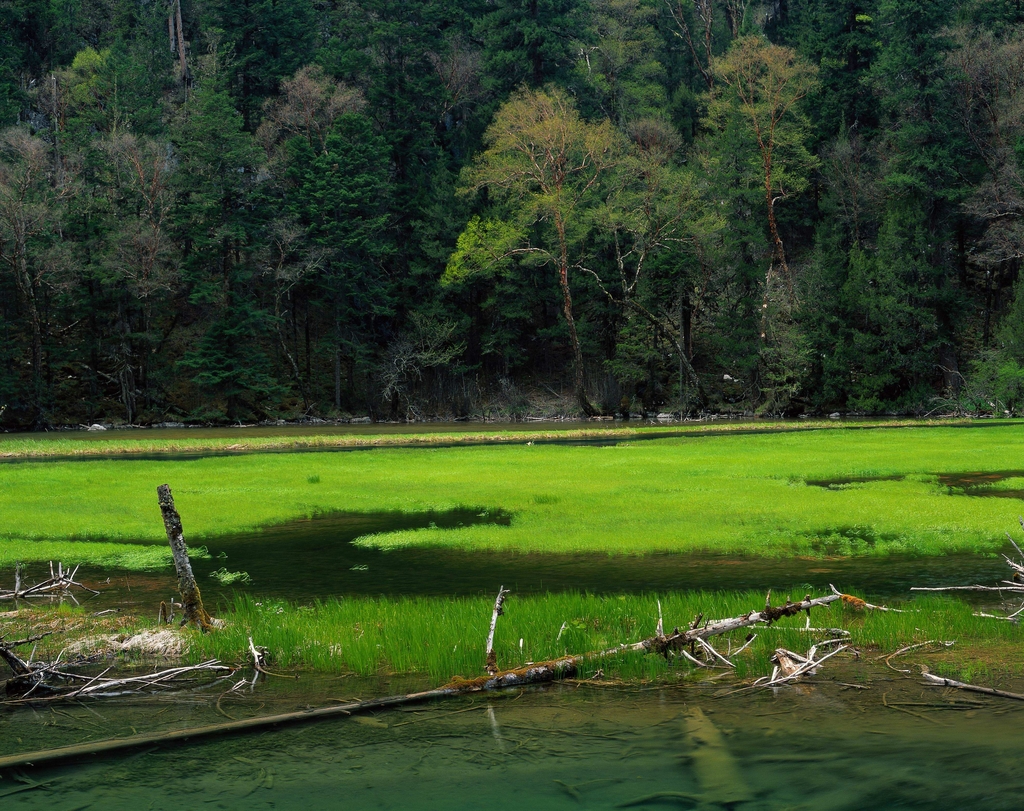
825	746
315	559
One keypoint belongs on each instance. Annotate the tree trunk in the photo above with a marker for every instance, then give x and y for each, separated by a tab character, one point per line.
182	61
191	599
778	250
579	378
28	290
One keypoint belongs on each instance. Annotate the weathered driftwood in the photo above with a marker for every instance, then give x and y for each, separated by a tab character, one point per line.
22	671
791	666
1014	585
191	599
492	663
971	688
41	681
1011	587
857	602
59	583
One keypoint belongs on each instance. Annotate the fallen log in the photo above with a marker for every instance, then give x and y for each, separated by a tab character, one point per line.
78	751
191	599
857	602
1011	587
970	688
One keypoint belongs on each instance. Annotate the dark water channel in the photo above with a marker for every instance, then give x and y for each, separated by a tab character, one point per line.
820	747
316	559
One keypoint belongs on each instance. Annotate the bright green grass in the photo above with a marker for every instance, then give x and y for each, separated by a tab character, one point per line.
441	637
733	494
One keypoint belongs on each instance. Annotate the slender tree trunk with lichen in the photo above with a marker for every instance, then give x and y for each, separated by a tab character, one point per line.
191	599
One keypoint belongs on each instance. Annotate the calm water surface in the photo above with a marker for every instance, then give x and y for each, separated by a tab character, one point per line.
316	559
824	747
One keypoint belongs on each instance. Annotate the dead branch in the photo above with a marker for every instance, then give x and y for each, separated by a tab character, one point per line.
907	649
62	684
259	661
59	583
972	688
857	602
1019	588
791	666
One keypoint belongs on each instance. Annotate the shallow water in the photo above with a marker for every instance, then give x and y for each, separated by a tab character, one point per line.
823	747
976	484
315	559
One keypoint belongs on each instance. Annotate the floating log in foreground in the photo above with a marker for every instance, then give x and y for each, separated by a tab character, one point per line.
537	673
191	599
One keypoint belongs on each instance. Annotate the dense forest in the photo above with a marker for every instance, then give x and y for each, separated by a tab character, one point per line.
286	209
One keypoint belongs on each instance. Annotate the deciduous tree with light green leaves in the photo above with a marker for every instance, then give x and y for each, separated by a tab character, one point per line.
757	125
759	89
543	166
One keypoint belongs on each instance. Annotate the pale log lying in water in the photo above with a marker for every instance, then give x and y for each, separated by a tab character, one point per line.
537	673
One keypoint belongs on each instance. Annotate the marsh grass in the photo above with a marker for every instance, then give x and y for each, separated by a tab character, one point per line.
64	624
434	639
138	557
41	446
440	638
745	494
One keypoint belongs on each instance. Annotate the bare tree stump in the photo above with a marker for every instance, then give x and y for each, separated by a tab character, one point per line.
191	599
492	661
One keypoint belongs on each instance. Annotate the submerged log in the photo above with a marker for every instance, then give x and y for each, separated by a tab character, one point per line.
536	673
191	599
970	688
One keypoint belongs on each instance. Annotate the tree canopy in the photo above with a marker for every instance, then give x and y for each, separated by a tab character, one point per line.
214	211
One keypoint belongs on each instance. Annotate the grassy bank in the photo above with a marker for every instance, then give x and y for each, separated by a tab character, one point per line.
745	494
442	637
298	437
437	638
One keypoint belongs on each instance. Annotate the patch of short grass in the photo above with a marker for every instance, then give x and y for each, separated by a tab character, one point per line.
736	494
138	557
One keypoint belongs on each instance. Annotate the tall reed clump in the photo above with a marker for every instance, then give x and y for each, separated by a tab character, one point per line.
443	637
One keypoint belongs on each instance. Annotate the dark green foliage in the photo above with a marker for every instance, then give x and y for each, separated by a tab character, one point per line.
529	41
265	237
264	42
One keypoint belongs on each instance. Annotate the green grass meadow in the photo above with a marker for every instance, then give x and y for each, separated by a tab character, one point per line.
443	637
737	494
